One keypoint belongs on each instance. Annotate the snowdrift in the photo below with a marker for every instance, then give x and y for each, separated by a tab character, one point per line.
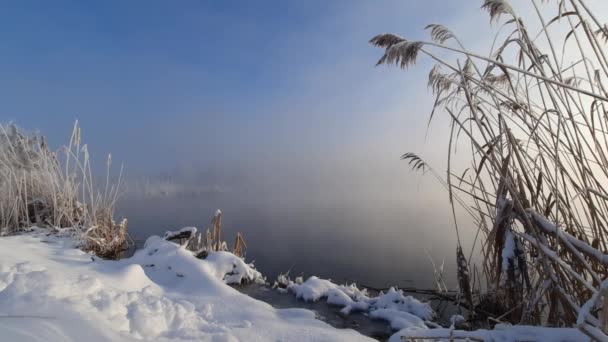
52	291
399	310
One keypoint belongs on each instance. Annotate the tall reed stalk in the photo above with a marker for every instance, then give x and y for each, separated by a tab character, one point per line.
56	189
536	185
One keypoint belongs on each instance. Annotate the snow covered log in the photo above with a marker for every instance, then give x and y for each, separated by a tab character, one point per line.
182	236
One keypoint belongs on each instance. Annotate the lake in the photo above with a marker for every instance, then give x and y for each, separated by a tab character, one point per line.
372	242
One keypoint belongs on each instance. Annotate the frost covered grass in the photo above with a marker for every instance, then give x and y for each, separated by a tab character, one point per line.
533	115
52	291
56	189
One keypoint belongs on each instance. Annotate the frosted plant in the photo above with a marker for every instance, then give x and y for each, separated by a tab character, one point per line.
56	189
532	116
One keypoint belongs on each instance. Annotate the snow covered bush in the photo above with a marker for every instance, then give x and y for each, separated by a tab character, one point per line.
533	114
56	190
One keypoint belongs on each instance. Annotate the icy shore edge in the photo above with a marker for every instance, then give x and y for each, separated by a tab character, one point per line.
50	290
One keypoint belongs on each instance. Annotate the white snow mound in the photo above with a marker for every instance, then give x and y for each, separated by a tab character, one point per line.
51	291
399	310
501	333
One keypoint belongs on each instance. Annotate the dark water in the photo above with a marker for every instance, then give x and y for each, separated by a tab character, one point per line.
377	329
377	244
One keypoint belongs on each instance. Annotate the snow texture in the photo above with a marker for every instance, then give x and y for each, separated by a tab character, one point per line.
399	310
192	231
411	318
508	251
52	291
501	333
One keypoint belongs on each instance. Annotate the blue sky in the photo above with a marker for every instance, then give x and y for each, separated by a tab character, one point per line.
161	82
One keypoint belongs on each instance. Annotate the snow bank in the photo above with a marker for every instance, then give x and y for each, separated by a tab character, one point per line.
399	310
51	291
412	318
160	256
501	333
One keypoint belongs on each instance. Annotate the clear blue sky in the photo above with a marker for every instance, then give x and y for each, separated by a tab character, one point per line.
171	82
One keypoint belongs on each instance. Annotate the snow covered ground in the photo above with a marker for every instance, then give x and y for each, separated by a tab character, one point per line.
51	291
501	333
412	318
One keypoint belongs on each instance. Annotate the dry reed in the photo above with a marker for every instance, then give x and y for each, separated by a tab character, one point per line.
210	241
537	129
56	189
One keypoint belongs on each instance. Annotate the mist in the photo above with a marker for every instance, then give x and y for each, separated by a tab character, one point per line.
367	218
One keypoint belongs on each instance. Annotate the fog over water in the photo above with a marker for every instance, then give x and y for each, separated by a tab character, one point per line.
367	225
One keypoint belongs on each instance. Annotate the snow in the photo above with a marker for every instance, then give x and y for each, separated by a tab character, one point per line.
399	310
192	231
501	333
313	289
508	251
456	319
52	291
396	300
583	315
412	318
234	270
551	228
399	319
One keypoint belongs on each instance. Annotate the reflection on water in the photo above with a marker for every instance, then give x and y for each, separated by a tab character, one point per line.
373	244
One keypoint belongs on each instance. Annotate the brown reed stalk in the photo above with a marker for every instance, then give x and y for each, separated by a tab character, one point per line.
537	129
216	222
240	246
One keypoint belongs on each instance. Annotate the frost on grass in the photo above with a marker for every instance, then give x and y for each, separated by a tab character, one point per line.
56	189
51	291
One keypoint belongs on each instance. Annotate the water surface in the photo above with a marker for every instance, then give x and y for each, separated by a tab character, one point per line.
376	244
